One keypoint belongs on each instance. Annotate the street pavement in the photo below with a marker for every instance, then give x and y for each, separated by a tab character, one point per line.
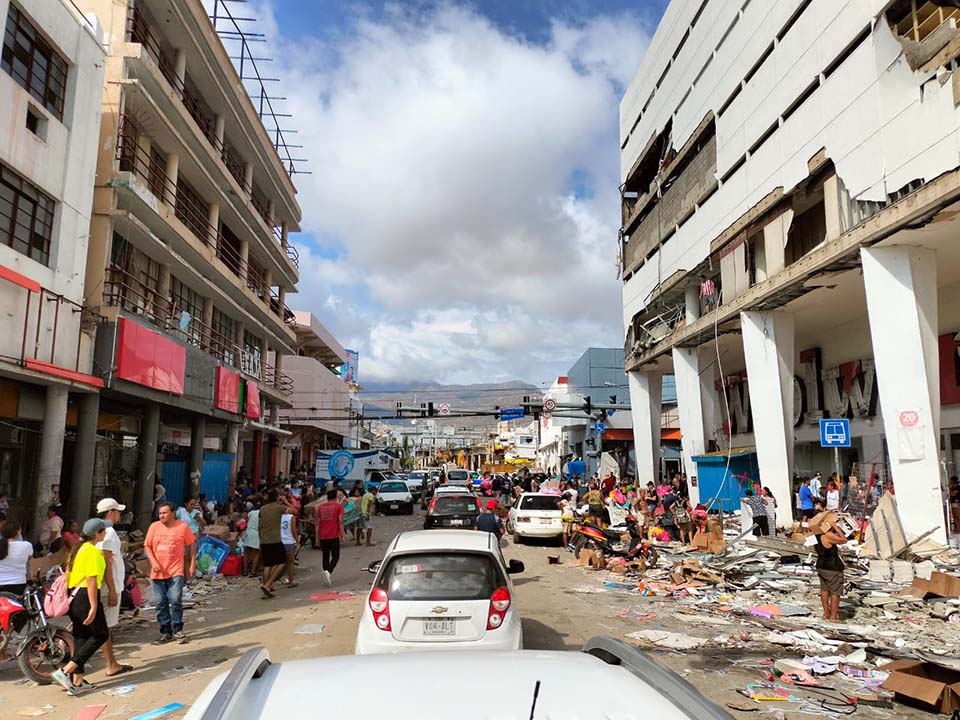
561	607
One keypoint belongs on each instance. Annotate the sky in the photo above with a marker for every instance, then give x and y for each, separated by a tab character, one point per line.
460	222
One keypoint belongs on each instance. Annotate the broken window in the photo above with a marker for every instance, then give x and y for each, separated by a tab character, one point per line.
809	227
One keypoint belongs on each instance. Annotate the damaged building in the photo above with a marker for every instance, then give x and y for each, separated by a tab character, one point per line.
791	190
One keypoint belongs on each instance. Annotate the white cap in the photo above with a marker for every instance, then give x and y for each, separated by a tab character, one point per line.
109	504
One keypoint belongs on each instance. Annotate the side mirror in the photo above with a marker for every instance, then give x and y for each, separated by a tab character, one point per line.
374	567
514	567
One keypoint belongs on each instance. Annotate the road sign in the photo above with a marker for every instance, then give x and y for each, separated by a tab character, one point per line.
512	413
549	405
444	409
834	432
599	427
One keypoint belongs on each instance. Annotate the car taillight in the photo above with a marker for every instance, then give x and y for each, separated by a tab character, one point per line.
380	607
432	503
499	604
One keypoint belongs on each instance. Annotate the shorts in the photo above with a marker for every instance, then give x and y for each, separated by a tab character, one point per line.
365	522
570	528
111	613
809	513
273	554
290	548
831	581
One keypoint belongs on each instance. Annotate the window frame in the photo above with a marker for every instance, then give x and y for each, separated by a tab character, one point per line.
22	190
42	62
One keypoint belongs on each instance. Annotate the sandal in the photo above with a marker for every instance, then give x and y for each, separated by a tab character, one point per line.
123	669
267	593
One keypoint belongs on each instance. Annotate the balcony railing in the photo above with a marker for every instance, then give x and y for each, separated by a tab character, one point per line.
280	309
260	205
290	249
139	31
230	255
282	382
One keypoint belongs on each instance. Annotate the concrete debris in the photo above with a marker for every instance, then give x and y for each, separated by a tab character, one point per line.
310	629
662	638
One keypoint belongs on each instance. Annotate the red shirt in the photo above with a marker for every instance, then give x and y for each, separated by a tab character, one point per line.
329	515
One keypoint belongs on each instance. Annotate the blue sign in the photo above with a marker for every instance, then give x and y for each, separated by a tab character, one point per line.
340	464
834	432
512	413
599	427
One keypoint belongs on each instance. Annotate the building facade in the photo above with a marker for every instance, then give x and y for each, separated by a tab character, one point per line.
790	192
189	263
51	72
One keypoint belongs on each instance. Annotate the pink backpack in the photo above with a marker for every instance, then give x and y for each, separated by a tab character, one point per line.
57	599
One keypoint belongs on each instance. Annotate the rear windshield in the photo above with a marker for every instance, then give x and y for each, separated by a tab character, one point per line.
452	504
441	577
539	502
393	487
458	475
416	476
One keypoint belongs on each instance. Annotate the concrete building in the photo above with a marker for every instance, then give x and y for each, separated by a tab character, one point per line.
51	72
189	262
319	415
799	159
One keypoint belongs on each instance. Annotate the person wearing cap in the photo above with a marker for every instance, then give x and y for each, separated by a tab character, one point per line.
109	511
85	570
488	522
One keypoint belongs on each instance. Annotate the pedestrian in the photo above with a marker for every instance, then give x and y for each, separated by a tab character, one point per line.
683	518
816	486
953	491
833	496
85	570
289	536
168	542
608	483
368	508
251	543
487	521
51	528
272	552
830	569
708	294
668	520
594	500
771	505
758	507
15	554
568	514
159	496
191	515
807	510
109	511
330	532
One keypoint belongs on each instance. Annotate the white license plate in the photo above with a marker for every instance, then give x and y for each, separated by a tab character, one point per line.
394	507
546	521
456	522
439	628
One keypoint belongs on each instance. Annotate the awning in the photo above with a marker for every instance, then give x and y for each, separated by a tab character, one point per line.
670	433
618	434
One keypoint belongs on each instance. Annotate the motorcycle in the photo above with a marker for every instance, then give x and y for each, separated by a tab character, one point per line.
43	647
606	540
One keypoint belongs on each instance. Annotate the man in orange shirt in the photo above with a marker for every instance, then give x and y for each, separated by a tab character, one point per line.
167	542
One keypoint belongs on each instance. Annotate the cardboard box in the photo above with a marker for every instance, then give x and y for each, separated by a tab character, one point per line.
711	541
943	585
221	532
39	567
932	685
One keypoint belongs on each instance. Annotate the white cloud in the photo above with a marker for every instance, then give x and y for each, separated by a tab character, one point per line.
442	153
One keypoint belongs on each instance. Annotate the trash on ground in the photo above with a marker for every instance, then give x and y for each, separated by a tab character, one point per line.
309	629
158	712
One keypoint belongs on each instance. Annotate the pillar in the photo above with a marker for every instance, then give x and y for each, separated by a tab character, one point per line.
51	452
248	177
691	395
692	299
256	462
284	235
263	358
207	321
213	224
645	402
768	349
161	302
901	288
85	452
198	431
172	171
244	257
147	467
180	66
273	453
271	211
218	123
232	447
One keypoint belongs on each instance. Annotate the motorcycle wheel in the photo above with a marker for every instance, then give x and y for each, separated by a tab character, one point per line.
652	557
579	544
37	660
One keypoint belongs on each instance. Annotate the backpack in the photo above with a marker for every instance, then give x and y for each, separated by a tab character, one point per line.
56	601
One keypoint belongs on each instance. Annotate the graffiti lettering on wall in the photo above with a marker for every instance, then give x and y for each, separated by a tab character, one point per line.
848	390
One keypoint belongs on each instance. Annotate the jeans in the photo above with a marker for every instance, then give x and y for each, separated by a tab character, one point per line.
331	553
169	597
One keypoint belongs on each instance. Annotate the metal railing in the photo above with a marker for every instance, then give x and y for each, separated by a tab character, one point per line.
281	309
194	213
283	383
234	164
138	31
230	255
123	290
260	205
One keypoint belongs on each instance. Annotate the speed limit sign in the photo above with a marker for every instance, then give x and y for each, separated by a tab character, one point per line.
444	409
549	405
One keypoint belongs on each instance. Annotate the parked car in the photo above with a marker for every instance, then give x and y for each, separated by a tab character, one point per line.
414	482
393	496
374	478
453	508
644	688
441	590
535	515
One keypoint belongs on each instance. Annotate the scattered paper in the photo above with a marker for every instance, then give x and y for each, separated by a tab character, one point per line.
121	690
90	712
309	630
150	714
325	596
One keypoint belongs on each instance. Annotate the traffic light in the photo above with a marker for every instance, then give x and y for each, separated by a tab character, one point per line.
588	405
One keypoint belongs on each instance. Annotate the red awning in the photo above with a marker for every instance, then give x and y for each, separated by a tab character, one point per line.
618	434
669	434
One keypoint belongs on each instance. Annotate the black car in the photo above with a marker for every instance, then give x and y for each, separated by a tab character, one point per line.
453	510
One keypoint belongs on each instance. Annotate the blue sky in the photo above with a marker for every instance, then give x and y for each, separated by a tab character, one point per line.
460	222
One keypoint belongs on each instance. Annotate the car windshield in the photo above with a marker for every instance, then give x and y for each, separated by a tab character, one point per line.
539	502
441	576
457	475
416	476
455	504
393	487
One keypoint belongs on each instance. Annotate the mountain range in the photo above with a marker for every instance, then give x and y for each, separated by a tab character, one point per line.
386	395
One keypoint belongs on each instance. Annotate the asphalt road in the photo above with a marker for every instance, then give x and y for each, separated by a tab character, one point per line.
562	607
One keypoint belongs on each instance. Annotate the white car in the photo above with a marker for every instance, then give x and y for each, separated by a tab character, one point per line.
414	481
393	496
535	515
441	590
529	683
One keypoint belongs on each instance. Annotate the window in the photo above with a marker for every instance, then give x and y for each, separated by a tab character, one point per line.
186	309
755	259
30	60
36	123
808	229
133	278
192	210
222	337
250	362
441	576
26	216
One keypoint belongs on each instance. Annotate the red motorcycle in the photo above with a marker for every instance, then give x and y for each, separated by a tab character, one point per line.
604	541
43	647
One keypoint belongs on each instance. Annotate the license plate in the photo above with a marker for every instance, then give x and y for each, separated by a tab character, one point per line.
456	522
394	507
546	521
439	628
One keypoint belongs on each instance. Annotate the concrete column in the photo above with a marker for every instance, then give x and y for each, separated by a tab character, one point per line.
172	171
256	463
218	130
271	212
692	297
284	235
180	65
248	177
645	403
51	452
213	224
232	447
161	302
901	288
85	452
198	432
244	258
264	349
691	394
147	469
207	321
768	348
273	456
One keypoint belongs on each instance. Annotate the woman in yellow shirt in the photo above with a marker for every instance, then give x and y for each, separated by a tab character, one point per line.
85	576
